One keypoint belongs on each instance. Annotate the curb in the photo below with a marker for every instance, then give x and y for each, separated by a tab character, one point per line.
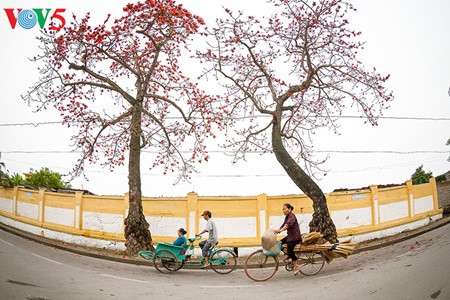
379	243
58	245
407	235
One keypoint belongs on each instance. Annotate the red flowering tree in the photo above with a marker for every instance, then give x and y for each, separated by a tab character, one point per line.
287	75
120	83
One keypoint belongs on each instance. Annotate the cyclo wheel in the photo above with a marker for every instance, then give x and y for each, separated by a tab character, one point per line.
260	267
165	261
180	265
310	262
223	261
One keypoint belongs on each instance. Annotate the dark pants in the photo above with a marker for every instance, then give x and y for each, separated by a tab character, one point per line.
290	248
205	245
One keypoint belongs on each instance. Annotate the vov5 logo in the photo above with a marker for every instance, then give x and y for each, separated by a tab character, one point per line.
28	18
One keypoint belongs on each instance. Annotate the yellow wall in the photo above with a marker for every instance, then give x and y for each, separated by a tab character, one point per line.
191	207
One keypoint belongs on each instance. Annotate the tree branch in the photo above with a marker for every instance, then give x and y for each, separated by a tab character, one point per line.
114	86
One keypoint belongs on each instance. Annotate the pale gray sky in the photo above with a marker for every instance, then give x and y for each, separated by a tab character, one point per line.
407	39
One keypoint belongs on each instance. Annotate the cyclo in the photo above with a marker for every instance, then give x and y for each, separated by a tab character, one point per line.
168	258
261	265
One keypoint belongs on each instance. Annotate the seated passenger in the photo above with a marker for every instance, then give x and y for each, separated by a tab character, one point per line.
181	238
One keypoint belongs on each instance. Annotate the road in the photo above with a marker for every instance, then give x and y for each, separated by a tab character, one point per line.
414	269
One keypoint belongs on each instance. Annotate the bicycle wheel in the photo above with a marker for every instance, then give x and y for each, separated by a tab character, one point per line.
311	262
260	267
165	261
223	261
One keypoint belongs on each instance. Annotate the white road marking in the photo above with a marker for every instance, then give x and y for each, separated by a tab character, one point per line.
228	286
124	278
47	259
337	274
6	242
407	253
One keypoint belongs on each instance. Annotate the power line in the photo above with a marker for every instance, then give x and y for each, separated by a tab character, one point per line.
336	171
381	151
397	118
256	152
41	152
248	117
30	124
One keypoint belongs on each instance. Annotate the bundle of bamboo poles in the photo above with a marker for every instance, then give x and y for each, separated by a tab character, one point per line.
341	249
313	241
312	238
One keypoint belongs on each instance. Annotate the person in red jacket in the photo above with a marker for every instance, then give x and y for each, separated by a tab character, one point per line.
293	237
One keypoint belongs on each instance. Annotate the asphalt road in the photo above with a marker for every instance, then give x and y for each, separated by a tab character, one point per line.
414	269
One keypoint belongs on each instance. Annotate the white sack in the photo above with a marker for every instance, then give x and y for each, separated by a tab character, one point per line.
269	239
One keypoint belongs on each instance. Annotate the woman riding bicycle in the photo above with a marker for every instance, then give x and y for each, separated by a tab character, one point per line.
293	237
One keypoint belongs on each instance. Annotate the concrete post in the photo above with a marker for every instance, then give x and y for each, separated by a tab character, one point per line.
126	207
409	190
78	210
16	191
262	219
192	220
435	193
41	198
375	207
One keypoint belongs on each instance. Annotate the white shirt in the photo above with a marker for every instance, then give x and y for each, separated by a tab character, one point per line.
212	232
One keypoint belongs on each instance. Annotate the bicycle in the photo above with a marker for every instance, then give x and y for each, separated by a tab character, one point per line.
168	258
262	265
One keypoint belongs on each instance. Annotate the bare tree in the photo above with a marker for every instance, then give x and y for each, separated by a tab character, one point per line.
287	75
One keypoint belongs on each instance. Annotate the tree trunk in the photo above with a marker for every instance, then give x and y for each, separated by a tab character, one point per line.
137	232
321	220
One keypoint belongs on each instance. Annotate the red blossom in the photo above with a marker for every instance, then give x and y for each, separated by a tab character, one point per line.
111	66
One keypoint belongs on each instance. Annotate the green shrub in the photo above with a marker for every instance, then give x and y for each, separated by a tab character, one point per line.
46	178
420	176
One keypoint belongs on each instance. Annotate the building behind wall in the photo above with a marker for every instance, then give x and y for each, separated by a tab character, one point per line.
443	189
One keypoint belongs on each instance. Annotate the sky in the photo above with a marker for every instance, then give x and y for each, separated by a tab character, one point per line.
407	39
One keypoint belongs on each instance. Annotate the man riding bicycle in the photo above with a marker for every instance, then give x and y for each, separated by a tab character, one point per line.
212	237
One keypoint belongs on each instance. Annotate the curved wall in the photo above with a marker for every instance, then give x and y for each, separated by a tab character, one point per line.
97	221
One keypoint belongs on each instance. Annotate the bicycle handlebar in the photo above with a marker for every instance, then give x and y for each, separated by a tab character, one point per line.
196	238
